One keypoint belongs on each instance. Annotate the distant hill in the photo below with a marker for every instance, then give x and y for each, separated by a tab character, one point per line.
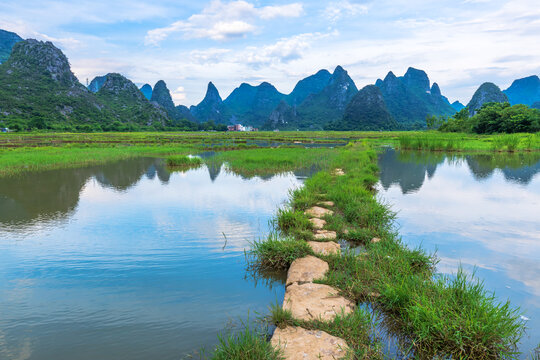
7	41
524	91
313	84
162	97
252	104
146	89
97	83
48	95
536	105
366	111
211	107
457	106
128	103
329	104
410	99
486	93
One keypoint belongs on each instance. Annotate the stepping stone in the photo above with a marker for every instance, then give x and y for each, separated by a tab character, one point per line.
327	203
325	235
339	172
306	269
301	344
315	301
317	224
324	248
318	212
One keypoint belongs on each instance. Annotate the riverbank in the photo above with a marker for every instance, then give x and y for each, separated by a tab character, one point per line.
23	152
434	316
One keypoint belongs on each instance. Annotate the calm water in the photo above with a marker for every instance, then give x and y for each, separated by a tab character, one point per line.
481	212
129	261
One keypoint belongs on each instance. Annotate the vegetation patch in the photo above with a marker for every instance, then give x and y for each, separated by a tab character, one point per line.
184	162
438	316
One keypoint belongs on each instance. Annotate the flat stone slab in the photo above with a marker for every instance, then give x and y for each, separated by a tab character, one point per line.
325	248
327	203
339	172
317	223
301	344
315	301
306	269
325	235
318	212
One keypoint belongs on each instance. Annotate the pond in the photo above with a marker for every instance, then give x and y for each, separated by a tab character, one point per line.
480	212
130	261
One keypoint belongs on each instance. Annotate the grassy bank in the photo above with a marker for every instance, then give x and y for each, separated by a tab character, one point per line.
437	316
436	141
14	161
267	161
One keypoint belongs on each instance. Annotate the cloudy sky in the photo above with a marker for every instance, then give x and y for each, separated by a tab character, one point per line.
460	44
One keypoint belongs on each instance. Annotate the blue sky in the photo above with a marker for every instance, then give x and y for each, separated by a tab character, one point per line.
460	44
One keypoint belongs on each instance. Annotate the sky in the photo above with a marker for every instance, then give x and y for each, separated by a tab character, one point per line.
460	44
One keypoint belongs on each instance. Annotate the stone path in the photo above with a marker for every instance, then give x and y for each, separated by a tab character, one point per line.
308	301
318	212
311	301
324	248
301	344
325	235
306	269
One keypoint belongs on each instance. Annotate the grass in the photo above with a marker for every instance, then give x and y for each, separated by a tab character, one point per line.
435	141
451	316
277	253
247	344
184	162
271	161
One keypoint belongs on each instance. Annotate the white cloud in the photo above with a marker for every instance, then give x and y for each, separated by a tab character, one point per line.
334	11
208	56
178	95
283	51
222	21
291	10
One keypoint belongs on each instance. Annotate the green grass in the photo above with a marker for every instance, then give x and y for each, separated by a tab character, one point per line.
438	316
435	141
271	161
247	344
15	161
183	161
277	253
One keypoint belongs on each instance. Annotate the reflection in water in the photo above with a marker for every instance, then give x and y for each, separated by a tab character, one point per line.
130	261
480	212
409	169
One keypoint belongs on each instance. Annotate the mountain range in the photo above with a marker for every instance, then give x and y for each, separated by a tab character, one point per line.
47	91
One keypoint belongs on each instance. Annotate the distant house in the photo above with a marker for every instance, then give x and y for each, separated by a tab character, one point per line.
240	127
4	130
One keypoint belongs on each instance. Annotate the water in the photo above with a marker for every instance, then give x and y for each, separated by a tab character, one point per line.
129	261
481	212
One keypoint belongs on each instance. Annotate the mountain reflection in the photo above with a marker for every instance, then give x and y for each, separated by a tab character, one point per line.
54	195
409	169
